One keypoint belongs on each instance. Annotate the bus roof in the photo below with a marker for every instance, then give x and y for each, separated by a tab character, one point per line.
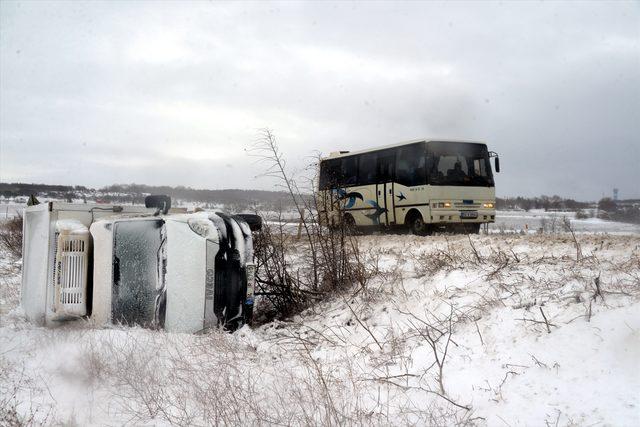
338	154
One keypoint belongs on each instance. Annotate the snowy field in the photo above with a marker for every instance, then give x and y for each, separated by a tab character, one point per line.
494	330
9	210
553	221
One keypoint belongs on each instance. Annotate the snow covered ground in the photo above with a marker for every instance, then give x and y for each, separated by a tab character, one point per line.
489	330
553	221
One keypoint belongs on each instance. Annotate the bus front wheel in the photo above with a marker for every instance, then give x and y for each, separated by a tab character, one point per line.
416	224
472	228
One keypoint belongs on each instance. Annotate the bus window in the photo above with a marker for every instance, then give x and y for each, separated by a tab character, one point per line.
329	173
448	169
459	164
367	165
349	171
479	167
453	166
386	166
410	166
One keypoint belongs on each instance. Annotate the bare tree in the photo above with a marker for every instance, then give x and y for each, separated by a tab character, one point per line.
327	259
11	235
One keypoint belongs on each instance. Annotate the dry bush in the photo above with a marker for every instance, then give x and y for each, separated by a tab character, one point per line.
292	273
145	377
17	388
214	379
275	278
11	235
9	286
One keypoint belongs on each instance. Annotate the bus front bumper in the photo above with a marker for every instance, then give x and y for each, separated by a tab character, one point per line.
451	216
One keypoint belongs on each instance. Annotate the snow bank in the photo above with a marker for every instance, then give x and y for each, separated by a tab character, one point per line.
487	330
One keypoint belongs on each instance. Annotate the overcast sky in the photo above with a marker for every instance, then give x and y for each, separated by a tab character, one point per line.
173	92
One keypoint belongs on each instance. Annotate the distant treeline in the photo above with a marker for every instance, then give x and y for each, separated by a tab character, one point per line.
621	210
16	189
135	193
227	197
541	202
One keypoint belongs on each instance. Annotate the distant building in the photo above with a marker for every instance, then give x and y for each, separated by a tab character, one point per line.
615	194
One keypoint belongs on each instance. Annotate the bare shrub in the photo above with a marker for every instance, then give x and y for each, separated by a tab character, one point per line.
552	224
275	276
16	390
214	380
582	214
11	235
567	227
9	285
437	332
293	273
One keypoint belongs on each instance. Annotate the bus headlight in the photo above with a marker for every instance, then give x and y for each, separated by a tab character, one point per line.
443	205
488	205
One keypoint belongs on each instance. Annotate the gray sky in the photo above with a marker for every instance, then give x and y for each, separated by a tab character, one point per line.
172	92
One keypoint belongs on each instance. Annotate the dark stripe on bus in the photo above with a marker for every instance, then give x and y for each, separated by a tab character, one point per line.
411	206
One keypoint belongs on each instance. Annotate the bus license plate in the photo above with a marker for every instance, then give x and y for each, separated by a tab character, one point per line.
469	214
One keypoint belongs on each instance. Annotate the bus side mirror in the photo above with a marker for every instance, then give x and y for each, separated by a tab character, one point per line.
497	161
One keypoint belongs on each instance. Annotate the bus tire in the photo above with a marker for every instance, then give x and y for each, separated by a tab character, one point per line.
416	224
472	228
349	224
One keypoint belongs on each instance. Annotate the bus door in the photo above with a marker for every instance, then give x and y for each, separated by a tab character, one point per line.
385	190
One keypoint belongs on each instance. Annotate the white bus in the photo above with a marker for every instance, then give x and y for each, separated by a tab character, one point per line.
424	185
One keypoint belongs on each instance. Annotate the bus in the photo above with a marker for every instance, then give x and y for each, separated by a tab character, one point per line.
423	185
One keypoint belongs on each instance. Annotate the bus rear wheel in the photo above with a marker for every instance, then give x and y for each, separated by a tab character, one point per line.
349	224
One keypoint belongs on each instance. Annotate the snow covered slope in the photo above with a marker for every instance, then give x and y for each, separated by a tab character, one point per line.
488	330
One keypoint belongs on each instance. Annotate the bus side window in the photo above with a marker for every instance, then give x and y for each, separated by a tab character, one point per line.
349	171
479	167
329	173
367	165
386	166
410	166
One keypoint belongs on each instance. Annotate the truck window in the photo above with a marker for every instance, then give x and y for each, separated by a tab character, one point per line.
137	245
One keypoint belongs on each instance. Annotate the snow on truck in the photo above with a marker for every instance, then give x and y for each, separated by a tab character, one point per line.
424	185
134	265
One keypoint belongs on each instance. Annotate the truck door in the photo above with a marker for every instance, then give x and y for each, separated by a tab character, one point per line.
137	246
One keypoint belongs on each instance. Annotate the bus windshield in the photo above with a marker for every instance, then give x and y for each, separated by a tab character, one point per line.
461	164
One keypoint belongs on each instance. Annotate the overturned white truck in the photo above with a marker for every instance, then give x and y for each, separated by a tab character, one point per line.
134	266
